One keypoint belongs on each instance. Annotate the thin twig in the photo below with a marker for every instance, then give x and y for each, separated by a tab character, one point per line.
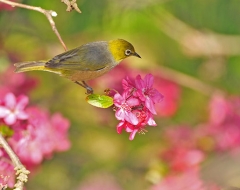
71	5
48	13
21	171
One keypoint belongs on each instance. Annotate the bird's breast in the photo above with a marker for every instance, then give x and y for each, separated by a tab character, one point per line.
77	75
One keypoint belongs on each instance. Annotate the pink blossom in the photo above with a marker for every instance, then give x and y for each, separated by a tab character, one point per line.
40	137
147	93
144	118
12	108
128	127
170	90
37	135
125	104
128	84
132	129
134	108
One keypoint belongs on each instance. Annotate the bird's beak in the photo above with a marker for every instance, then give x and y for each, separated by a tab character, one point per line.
135	54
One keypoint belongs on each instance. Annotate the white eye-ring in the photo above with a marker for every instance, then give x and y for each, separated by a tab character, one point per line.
128	52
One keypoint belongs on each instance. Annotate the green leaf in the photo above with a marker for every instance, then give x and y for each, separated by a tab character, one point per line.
6	131
100	101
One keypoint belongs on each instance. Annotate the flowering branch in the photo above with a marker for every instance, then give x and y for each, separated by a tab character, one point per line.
135	107
21	171
48	13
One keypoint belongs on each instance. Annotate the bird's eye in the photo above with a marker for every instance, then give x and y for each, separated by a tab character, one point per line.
128	52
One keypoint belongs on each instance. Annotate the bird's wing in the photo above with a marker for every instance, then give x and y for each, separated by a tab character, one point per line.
84	58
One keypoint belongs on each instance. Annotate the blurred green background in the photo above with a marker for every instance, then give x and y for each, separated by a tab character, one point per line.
198	38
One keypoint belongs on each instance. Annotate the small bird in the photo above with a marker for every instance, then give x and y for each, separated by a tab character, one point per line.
84	63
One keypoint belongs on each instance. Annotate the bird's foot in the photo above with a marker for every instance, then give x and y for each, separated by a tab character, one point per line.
89	90
85	85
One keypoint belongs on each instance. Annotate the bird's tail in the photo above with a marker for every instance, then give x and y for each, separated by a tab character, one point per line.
29	66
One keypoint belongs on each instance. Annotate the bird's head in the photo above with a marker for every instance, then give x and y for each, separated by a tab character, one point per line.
121	49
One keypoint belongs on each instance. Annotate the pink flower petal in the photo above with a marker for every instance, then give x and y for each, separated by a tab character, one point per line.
127	84
10	101
3	111
129	127
139	82
10	119
132	134
131	118
118	99
151	122
148	80
22	115
22	102
120	127
149	104
133	102
120	114
156	96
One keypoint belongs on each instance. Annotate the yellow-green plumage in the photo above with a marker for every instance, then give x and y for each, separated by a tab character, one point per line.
31	66
84	63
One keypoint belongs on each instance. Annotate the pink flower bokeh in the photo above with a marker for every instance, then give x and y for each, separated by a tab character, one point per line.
40	137
36	134
224	122
189	180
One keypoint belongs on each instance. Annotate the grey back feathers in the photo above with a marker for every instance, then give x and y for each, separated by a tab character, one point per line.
89	57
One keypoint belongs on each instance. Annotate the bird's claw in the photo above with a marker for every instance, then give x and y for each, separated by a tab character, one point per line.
89	90
85	85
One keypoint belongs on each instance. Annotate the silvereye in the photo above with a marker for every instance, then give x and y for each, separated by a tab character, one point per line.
84	63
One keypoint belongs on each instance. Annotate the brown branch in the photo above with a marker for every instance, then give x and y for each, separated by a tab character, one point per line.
71	5
48	13
21	171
